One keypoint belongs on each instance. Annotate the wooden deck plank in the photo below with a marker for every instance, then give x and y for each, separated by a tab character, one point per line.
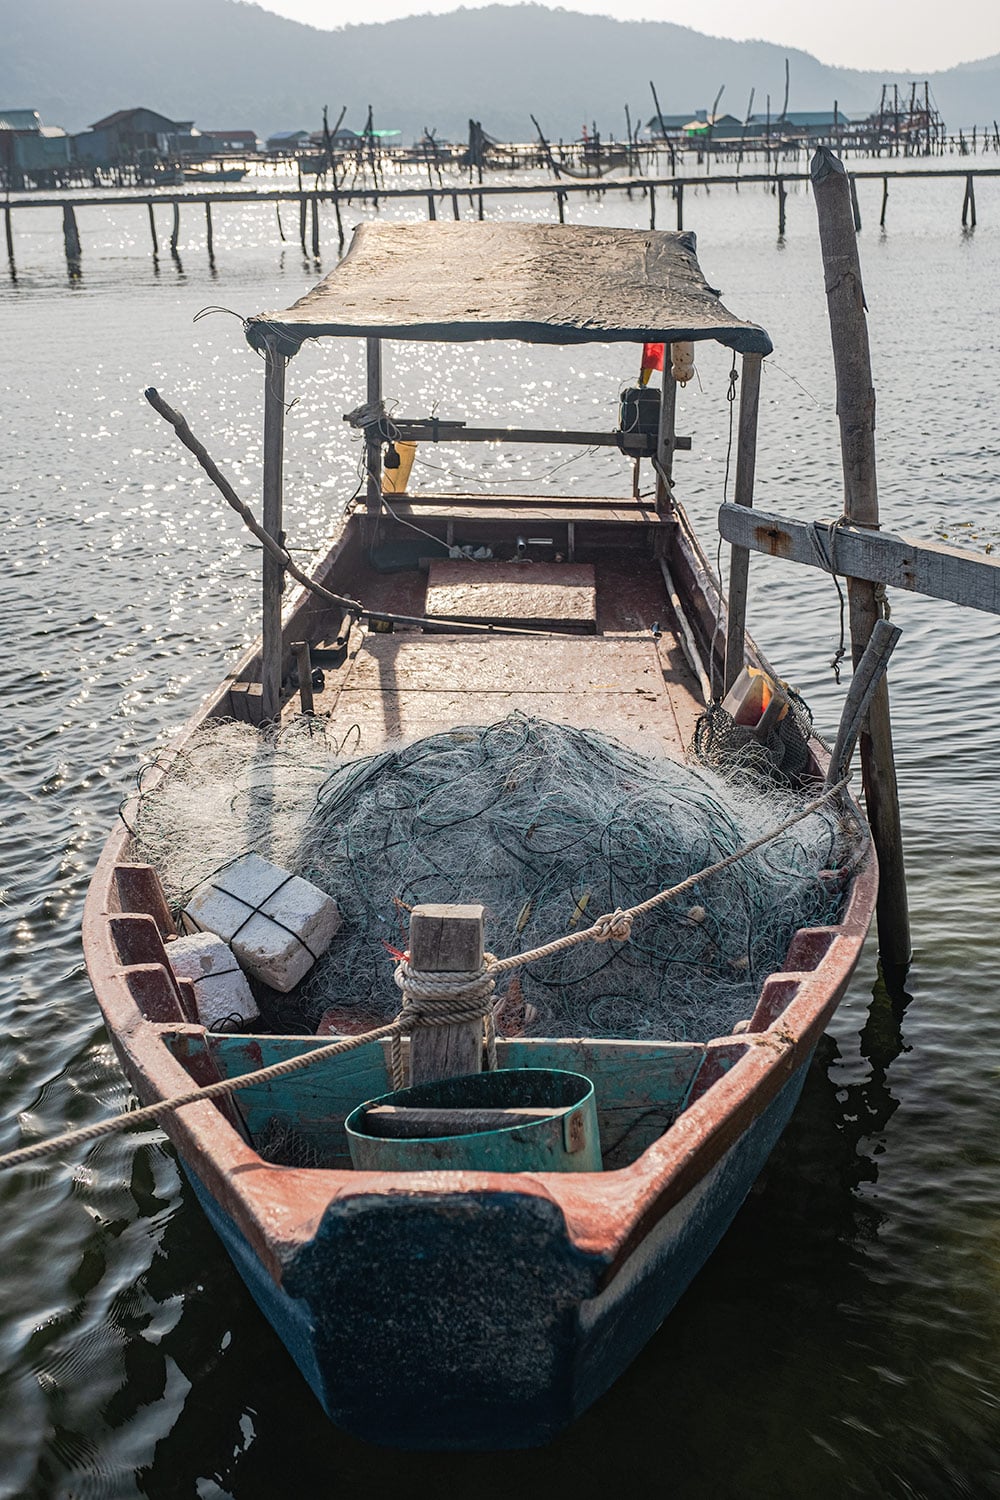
527	593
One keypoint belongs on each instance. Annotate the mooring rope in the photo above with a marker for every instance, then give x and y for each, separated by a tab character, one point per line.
429	999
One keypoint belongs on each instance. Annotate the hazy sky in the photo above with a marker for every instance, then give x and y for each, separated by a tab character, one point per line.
902	35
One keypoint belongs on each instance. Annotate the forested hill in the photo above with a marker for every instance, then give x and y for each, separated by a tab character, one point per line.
228	64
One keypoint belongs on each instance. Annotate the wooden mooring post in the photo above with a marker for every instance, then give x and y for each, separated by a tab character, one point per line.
209	239
739	561
969	204
315	226
856	411
302	225
679	195
152	227
885	202
175	227
782	195
71	238
446	940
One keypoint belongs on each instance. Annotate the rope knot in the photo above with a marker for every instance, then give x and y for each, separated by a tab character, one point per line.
614	925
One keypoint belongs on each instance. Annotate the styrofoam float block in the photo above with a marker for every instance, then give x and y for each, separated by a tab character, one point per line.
220	986
277	924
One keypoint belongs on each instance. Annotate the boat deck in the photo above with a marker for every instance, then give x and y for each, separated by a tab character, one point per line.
615	672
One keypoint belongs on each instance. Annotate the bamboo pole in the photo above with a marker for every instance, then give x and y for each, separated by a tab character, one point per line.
739	561
373	440
856	410
273	576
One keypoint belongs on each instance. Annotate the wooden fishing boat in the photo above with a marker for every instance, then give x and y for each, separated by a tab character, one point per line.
463	1307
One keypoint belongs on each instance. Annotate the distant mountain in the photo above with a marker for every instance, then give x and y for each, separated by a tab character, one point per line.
228	65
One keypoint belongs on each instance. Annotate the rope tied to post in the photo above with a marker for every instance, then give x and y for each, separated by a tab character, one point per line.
433	998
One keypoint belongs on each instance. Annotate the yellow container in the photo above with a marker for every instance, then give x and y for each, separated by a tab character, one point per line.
394	481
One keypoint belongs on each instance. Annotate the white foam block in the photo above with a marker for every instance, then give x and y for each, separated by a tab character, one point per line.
277	924
220	986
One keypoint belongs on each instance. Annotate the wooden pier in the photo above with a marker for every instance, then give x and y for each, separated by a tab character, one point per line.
664	195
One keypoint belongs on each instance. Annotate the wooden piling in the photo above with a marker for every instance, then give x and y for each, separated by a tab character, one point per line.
209	238
652	206
855	206
679	195
856	411
782	195
446	940
969	204
454	206
9	227
152	228
302	224
273	572
71	234
175	228
315	226
431	207
885	201
561	206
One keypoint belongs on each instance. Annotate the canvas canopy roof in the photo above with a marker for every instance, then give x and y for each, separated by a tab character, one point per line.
539	283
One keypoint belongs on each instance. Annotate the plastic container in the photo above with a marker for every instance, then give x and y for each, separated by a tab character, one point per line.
394	481
565	1139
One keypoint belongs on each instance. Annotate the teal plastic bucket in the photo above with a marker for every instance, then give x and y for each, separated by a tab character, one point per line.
561	1137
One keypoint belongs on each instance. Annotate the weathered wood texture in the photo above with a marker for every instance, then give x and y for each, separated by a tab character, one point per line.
856	410
273	573
532	593
868	674
746	465
399	1123
877	556
446	940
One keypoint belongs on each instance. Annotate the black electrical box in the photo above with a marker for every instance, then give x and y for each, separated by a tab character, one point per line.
639	411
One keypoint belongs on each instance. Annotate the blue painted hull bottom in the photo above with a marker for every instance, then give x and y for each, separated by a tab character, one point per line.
470	1321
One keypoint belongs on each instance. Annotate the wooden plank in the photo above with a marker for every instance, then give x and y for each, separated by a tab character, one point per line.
398	1123
531	593
878	556
540	511
485	664
446	939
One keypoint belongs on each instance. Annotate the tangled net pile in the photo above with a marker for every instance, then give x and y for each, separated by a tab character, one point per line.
547	826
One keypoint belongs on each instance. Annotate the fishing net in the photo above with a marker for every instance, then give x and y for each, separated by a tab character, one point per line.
546	825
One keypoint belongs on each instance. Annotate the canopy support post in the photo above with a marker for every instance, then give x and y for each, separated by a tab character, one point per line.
856	409
739	557
373	436
666	434
273	576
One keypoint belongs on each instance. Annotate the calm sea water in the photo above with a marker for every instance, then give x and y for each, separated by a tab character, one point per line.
845	1339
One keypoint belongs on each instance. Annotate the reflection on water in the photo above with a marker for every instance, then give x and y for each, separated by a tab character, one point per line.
843	1340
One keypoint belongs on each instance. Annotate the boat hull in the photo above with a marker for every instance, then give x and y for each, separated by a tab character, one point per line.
472	1321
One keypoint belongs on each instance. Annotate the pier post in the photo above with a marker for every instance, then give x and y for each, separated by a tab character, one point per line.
855	206
71	238
679	195
856	411
152	227
561	206
739	559
302	224
9	227
446	940
454	206
175	227
273	572
209	241
652	206
782	195
969	204
431	209
315	226
885	201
